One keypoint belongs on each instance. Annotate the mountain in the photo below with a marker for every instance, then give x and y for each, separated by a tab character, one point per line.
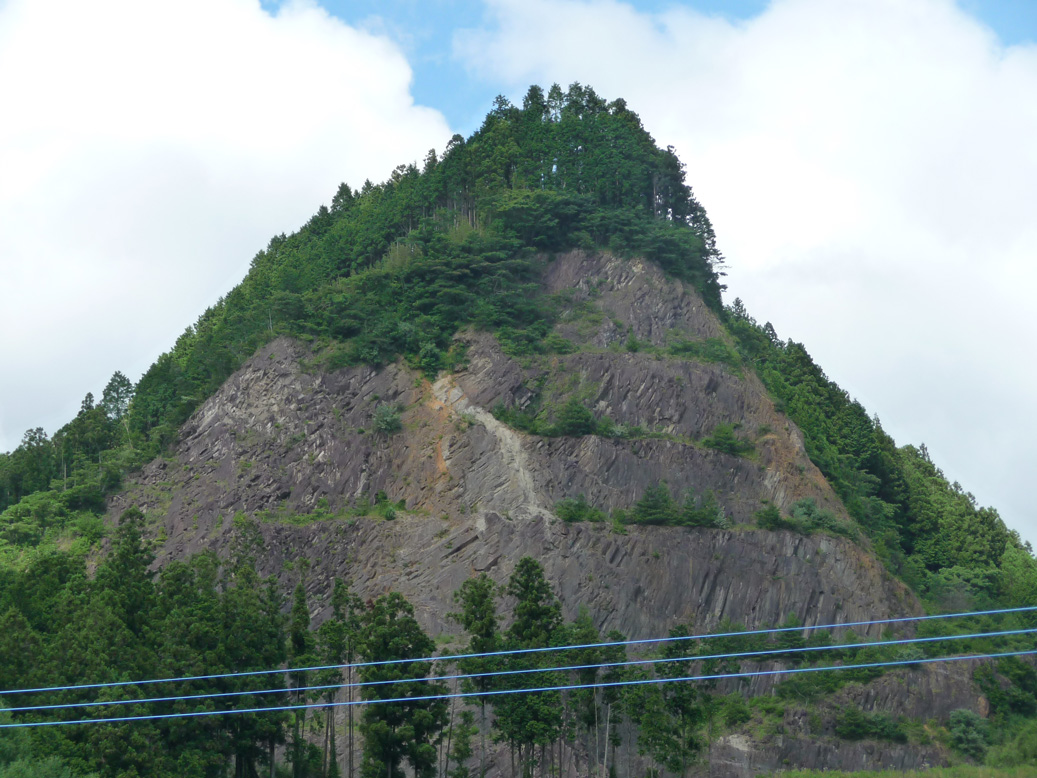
294	447
513	362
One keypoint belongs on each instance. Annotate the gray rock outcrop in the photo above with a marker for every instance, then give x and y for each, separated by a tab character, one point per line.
284	438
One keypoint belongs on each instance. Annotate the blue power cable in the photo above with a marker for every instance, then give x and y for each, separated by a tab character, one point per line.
497	673
498	692
453	657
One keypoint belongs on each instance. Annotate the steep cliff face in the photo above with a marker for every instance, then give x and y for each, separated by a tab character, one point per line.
281	433
285	438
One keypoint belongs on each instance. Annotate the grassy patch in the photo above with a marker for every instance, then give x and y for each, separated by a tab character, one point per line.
380	508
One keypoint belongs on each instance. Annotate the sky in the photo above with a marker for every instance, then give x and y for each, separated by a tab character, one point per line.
870	168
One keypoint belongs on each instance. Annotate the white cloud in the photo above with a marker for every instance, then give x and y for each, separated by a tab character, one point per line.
148	150
870	167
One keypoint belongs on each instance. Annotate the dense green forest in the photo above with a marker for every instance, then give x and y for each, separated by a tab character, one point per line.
392	271
395	269
210	617
928	531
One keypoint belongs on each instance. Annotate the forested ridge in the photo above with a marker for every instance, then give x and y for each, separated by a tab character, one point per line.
927	530
393	271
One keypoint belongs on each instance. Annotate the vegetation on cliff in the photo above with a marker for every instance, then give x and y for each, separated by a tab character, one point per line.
393	271
928	531
211	617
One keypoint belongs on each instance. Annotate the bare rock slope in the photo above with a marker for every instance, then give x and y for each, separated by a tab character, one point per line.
284	438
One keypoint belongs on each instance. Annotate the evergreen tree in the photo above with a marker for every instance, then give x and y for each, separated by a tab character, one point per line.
656	507
252	637
125	577
300	654
397	725
670	715
478	616
336	645
115	400
530	720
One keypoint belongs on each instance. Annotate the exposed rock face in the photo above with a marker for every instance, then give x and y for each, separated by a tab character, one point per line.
928	691
282	437
738	756
641	584
634	293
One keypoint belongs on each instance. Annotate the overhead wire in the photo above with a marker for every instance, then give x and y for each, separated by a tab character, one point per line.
499	692
513	652
522	671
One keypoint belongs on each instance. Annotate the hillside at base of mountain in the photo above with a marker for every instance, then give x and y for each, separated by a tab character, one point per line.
295	450
495	410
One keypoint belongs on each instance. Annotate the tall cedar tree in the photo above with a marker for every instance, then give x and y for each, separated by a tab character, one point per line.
408	727
478	616
532	720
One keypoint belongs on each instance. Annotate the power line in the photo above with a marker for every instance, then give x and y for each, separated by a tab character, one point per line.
522	671
499	692
512	652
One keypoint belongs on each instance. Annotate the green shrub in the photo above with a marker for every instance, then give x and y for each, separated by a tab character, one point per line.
387	419
703	513
723	440
805	517
735	710
855	724
969	733
430	359
810	518
770	517
578	509
523	420
556	344
1018	749
90	527
574	419
656	507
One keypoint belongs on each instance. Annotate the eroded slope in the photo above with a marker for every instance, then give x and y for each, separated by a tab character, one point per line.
284	439
295	448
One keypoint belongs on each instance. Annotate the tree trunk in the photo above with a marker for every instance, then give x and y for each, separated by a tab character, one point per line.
349	707
482	737
295	745
333	756
450	732
327	741
597	739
